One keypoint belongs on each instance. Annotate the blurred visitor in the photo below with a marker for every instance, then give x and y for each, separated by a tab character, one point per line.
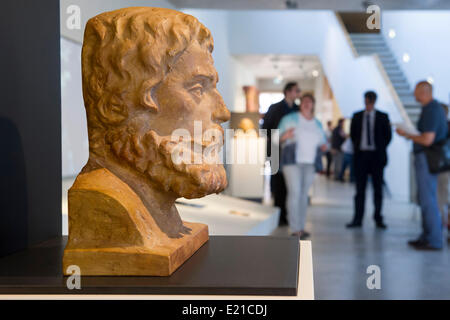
271	121
443	187
371	134
338	137
347	150
328	154
301	135
318	165
433	128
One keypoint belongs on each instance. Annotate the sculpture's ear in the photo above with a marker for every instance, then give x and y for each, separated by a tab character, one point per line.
146	96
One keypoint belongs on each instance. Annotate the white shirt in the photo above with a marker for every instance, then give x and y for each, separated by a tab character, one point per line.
308	137
347	146
364	141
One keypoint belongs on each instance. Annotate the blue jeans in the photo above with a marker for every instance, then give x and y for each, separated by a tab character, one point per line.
427	191
299	178
347	162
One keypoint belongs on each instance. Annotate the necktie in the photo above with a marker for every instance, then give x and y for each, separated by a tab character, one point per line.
369	131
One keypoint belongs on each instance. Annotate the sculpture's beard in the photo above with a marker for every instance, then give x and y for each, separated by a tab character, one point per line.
152	156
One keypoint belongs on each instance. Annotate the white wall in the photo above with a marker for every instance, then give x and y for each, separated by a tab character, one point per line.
75	147
425	36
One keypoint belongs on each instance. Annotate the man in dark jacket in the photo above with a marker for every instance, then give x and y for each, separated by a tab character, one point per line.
271	120
370	133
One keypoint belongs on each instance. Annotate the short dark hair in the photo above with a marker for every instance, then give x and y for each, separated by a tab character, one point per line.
371	96
289	86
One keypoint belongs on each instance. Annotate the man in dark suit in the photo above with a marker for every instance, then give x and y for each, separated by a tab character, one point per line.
370	133
271	120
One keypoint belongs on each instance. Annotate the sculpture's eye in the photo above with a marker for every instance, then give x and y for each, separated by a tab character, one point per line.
197	90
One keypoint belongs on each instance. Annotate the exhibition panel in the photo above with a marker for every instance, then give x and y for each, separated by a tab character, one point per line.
30	124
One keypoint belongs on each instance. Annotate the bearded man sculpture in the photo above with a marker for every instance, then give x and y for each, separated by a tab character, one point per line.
147	72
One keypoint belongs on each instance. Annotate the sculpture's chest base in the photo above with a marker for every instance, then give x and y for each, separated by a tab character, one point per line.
160	260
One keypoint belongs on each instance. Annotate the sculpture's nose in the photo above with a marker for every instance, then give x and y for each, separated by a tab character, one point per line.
220	113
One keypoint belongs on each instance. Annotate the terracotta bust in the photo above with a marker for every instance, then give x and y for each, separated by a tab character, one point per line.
147	72
246	124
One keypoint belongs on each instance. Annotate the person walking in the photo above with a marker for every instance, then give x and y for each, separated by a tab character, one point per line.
338	137
301	136
328	154
371	134
347	150
271	121
432	126
443	186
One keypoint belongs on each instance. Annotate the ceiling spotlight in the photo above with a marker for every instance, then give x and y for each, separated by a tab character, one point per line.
430	80
406	57
392	33
315	73
278	79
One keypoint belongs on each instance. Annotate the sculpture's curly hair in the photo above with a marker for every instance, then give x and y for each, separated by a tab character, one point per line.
127	52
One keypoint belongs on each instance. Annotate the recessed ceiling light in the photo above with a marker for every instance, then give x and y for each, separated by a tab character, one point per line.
392	33
315	73
430	80
278	79
406	57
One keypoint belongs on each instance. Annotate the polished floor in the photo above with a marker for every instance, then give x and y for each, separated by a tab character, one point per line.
341	257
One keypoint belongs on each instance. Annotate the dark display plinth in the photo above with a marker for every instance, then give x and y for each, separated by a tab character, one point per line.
225	265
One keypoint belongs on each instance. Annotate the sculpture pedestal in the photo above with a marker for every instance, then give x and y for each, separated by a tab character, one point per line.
225	265
137	261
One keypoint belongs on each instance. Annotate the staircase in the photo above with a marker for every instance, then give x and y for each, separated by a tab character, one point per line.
374	43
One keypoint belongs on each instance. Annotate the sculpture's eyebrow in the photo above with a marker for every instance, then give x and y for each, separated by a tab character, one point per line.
211	76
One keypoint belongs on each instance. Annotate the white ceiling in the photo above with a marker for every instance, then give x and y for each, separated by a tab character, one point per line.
288	66
337	5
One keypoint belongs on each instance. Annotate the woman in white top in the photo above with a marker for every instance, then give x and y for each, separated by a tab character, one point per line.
301	136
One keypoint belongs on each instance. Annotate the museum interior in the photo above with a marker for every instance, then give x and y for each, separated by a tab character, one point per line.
336	52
